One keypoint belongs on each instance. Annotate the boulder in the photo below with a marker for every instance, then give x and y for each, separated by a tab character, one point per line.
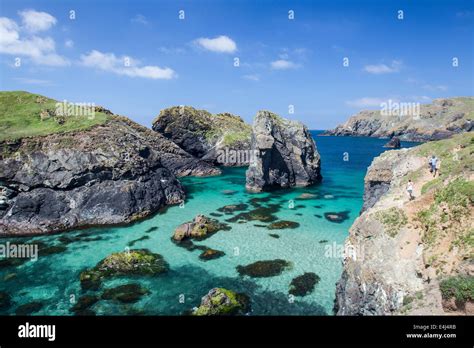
221	301
285	154
394	143
126	263
200	228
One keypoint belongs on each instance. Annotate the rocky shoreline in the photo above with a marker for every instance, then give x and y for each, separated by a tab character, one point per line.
400	251
439	120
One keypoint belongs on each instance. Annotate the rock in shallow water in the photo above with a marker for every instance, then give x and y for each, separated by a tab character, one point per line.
337	217
220	301
304	284
283	224
127	293
29	308
133	262
394	143
264	269
211	254
200	228
285	154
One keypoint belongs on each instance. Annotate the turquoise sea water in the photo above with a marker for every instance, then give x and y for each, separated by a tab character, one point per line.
52	279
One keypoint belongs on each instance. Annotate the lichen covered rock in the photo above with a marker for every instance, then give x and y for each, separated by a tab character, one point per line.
220	301
133	262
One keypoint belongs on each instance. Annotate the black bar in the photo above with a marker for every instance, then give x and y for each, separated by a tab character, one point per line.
193	331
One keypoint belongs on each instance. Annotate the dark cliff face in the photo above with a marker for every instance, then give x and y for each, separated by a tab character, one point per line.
204	135
109	174
285	154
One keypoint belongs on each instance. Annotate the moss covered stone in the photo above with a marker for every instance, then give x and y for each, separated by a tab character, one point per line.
133	262
264	269
220	301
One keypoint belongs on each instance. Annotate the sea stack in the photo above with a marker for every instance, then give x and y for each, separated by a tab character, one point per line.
393	143
284	154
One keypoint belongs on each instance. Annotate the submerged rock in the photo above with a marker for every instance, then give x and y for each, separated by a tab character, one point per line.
232	208
394	143
337	217
127	293
264	269
262	214
304	284
220	301
151	229
133	262
200	228
283	224
132	243
306	195
211	254
84	302
29	308
5	300
285	154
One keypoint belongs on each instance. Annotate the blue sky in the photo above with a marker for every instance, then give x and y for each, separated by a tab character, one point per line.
283	61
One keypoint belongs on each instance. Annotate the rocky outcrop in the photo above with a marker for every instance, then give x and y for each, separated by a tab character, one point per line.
109	174
220	301
393	143
200	228
439	120
221	139
284	154
400	250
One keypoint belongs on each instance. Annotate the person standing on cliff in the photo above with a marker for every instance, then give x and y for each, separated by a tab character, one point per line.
433	165
410	190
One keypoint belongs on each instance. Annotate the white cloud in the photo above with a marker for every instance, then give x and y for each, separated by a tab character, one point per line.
252	77
41	50
35	21
140	19
69	43
118	65
377	69
221	44
283	64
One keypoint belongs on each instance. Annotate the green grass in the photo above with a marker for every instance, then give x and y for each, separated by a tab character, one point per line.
458	196
393	220
20	117
459	287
